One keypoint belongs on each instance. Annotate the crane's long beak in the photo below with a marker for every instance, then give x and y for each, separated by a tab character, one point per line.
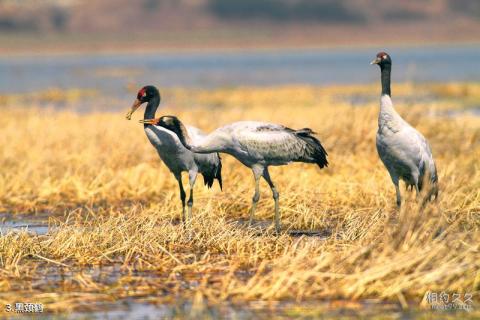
376	61
135	106
150	121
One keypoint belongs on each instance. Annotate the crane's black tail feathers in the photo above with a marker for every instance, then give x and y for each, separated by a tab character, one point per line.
430	180
432	194
432	188
315	150
215	173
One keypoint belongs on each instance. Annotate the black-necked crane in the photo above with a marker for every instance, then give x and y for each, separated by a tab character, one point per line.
257	145
403	150
172	152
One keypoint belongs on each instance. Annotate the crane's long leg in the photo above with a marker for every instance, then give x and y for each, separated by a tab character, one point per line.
416	178
397	191
192	177
182	196
395	181
257	173
266	176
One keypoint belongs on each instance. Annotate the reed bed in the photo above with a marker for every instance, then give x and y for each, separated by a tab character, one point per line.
114	208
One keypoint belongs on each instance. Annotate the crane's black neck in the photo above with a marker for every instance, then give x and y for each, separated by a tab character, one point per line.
386	73
151	108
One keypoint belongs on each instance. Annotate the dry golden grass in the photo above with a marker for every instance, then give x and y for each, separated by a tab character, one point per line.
115	208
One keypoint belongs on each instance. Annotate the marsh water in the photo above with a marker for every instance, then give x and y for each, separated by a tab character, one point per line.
112	73
34	224
368	309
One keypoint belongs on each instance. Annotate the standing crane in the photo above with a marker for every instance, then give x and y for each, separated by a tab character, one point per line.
403	150
175	156
257	145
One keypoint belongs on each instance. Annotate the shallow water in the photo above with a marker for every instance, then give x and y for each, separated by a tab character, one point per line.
132	309
35	224
111	74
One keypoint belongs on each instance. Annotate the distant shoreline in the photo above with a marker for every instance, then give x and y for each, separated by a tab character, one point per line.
235	39
127	50
216	25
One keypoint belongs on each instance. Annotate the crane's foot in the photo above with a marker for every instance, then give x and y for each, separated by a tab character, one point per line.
277	212
278	229
190	213
252	214
184	221
250	220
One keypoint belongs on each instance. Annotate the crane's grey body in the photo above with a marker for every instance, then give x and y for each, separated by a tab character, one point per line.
257	145
403	150
176	157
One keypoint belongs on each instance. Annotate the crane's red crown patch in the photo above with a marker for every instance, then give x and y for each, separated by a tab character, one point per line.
141	93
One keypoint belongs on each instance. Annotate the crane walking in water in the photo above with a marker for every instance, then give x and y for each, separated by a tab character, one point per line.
403	150
257	145
175	156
